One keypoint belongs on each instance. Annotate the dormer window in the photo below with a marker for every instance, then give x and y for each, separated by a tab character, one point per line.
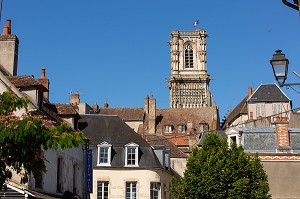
131	154
104	154
181	128
169	128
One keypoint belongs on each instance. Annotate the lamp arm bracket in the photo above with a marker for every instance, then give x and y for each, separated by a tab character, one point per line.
290	5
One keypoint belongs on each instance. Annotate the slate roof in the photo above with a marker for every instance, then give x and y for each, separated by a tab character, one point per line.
111	129
126	114
220	133
268	93
264	139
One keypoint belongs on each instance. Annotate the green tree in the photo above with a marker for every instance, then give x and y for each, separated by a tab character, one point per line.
218	171
22	139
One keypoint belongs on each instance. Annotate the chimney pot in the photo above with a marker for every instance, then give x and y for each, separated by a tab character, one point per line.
8	24
43	73
5	30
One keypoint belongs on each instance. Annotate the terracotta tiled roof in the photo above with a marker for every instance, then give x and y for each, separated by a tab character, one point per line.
179	140
126	114
181	116
25	81
51	114
62	109
175	152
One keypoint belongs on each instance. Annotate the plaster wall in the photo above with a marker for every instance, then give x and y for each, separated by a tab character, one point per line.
134	124
179	165
71	157
284	178
268	109
117	179
240	120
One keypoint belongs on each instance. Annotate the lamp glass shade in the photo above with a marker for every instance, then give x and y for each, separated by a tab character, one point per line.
280	70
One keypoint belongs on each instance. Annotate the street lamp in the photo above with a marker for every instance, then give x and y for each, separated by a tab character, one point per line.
280	68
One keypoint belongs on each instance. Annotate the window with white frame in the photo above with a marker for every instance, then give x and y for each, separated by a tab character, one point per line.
102	190
131	154
260	110
168	128
276	108
130	190
154	190
104	154
181	128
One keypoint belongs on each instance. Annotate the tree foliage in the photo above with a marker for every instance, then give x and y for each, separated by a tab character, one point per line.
22	139
218	171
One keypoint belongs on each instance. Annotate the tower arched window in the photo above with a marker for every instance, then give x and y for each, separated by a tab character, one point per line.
188	56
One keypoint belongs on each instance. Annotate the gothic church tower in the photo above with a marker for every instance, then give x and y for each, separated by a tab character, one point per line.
189	81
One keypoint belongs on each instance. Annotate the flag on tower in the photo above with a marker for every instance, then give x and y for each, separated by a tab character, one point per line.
196	23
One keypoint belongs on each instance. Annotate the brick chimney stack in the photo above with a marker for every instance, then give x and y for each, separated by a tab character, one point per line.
95	107
9	45
74	98
45	82
282	135
105	104
250	91
152	115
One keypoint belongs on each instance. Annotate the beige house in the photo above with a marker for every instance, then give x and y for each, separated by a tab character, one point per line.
260	108
124	164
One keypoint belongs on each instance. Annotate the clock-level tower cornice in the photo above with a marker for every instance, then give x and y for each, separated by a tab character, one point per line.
189	81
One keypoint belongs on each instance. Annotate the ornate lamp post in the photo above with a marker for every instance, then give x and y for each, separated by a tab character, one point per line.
280	68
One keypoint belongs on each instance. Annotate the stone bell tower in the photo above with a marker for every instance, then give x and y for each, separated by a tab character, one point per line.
189	81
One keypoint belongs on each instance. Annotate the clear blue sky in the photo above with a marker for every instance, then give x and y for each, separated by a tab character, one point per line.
118	49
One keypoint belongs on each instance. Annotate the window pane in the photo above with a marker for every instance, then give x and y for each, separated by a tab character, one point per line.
154	190
103	155
130	190
102	190
130	156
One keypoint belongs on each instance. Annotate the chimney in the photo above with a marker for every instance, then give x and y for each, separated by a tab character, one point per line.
250	91
105	104
146	104
8	25
282	135
74	98
9	45
45	82
95	107
152	115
